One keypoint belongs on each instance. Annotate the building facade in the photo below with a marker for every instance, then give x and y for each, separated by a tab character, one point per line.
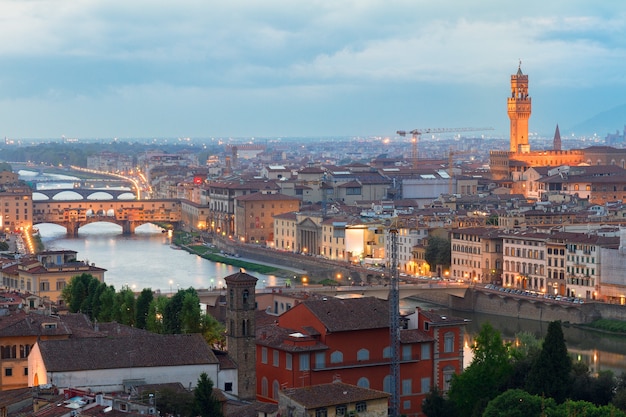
321	341
254	215
476	255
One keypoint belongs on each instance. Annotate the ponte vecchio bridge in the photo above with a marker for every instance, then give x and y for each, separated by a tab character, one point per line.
72	214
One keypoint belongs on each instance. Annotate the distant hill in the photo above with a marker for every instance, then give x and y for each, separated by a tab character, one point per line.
603	123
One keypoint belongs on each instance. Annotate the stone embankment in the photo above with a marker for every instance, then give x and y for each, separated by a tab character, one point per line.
481	300
318	268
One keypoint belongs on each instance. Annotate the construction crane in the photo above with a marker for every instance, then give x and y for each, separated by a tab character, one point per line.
415	136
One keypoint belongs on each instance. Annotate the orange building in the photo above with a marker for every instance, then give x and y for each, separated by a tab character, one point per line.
254	215
325	340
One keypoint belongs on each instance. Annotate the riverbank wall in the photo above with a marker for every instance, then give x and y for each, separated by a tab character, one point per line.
317	268
479	300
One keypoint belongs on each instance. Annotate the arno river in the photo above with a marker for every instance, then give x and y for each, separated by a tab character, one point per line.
142	260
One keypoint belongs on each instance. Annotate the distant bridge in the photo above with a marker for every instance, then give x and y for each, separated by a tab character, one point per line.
85	193
129	214
211	297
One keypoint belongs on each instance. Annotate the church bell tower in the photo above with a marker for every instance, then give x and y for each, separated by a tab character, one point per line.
519	109
240	338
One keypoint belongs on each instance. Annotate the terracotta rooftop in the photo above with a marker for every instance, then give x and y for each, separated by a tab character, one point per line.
350	314
266	197
332	394
126	352
283	339
435	318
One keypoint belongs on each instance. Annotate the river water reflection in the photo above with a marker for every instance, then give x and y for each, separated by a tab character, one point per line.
142	260
599	351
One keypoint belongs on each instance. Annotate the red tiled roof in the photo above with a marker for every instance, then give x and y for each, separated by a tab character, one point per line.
266	197
351	314
111	353
332	394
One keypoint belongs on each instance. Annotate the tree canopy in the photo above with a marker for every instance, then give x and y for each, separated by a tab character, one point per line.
484	378
179	314
550	373
438	252
204	403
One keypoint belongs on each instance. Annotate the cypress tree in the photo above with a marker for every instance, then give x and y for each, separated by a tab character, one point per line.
550	374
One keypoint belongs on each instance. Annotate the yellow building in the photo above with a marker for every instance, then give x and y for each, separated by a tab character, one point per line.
18	334
46	275
16	204
285	231
476	255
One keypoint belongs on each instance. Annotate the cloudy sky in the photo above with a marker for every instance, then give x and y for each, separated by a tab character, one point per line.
241	68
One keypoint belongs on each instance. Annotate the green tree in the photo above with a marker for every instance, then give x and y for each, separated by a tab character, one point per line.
143	307
106	311
213	332
550	373
485	377
175	402
438	252
190	313
154	321
171	315
523	353
519	403
436	405
76	293
4	246
124	310
179	315
598	390
619	399
586	409
204	402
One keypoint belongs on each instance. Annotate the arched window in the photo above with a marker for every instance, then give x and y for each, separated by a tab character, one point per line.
387	352
363	382
448	373
387	384
275	389
363	355
264	387
245	295
336	357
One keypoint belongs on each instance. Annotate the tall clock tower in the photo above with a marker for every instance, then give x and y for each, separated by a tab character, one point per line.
240	322
519	109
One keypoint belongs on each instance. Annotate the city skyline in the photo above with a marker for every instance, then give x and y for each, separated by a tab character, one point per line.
196	69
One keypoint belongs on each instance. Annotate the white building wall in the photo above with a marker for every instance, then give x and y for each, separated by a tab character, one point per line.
108	380
226	376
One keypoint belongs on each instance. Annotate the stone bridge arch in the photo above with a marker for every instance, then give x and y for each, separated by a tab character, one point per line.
129	214
90	194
